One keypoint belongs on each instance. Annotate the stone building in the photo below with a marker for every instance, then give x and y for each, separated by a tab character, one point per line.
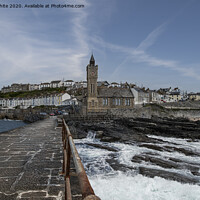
6	89
103	99
141	95
15	87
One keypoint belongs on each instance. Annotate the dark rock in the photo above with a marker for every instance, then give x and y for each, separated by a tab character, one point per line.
156	161
168	175
109	139
118	166
102	147
187	152
151	146
99	134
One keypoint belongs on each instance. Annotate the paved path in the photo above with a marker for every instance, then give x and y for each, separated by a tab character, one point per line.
30	162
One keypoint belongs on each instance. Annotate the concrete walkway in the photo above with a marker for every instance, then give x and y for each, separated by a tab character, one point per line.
30	162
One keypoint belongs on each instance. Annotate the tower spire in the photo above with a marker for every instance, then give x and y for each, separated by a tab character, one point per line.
92	60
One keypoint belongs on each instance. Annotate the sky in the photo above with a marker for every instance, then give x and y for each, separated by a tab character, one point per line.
151	43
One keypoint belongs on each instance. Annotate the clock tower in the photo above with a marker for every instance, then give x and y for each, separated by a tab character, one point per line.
92	75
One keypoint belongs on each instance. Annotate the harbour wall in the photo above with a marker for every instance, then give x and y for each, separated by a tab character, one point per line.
26	115
158	111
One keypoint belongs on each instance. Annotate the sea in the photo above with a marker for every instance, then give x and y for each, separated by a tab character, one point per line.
111	184
7	124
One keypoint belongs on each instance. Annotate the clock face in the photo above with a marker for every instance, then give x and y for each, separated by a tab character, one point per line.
92	73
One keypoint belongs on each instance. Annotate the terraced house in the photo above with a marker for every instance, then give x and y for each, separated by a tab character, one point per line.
47	100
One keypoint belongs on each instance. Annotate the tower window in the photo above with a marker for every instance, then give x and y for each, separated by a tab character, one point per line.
92	103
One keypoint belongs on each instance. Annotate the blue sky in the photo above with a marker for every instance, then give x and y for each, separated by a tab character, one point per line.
153	43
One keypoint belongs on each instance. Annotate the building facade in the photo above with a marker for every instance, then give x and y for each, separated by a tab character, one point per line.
103	99
141	96
47	100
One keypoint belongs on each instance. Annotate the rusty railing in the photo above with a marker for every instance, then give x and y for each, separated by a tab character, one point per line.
70	149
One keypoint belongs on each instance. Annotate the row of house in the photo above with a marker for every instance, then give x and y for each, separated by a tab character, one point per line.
142	95
163	95
16	87
49	100
69	84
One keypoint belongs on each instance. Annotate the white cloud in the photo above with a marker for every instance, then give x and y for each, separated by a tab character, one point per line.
27	57
152	37
139	55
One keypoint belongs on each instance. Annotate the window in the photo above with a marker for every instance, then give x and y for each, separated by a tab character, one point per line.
127	102
105	101
117	102
93	89
113	101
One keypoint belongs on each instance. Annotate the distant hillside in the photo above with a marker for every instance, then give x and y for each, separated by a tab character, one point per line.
35	93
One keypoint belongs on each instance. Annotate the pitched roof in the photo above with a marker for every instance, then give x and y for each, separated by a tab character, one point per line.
56	81
114	92
139	89
44	83
104	83
115	83
69	81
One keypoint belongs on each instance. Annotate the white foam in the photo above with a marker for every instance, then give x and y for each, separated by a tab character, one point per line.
109	184
123	187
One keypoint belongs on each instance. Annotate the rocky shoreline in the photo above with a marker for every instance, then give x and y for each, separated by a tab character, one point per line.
137	129
142	132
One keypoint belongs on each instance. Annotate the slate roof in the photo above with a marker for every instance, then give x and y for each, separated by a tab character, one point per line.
44	83
69	81
100	83
115	92
56	81
139	89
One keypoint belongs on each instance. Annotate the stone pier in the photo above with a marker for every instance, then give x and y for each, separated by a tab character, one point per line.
30	162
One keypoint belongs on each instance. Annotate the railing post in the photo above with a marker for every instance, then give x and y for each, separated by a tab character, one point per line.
67	174
68	159
64	147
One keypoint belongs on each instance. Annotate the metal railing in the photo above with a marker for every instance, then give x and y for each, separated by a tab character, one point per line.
69	149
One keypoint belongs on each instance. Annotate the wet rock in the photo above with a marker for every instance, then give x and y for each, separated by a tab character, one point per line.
183	161
168	175
99	134
156	161
118	166
109	139
151	146
187	152
135	130
102	147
